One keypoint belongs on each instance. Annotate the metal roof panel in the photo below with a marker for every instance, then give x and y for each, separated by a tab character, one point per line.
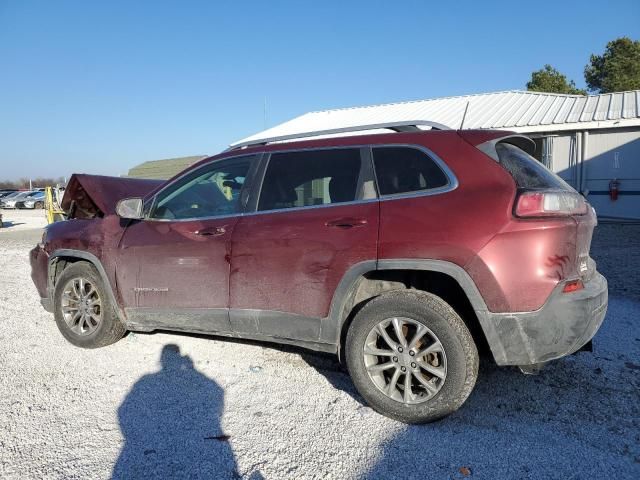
504	110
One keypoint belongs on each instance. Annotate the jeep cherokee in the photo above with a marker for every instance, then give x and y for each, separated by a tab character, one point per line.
403	253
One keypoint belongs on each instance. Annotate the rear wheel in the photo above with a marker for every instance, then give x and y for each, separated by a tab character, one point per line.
411	356
83	311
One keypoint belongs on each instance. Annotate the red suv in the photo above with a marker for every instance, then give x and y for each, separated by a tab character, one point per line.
403	253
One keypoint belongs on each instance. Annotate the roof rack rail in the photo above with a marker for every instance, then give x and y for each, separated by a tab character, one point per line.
400	126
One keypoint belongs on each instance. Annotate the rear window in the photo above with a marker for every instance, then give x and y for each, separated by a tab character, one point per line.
526	170
405	169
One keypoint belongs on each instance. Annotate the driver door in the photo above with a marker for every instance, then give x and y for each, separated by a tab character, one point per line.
173	267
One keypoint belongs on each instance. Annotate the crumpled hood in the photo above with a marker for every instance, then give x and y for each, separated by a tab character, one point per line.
87	196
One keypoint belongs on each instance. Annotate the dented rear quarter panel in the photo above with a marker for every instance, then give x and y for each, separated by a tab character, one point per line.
515	263
520	266
452	226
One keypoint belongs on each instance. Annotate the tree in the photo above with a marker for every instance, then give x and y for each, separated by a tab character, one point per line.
617	69
36	182
548	79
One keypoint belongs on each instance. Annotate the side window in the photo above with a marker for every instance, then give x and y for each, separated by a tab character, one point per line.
406	169
315	177
205	193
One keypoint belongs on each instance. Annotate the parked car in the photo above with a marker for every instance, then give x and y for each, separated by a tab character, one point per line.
35	200
10	200
4	193
403	253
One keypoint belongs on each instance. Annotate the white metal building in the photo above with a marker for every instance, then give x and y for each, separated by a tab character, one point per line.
591	141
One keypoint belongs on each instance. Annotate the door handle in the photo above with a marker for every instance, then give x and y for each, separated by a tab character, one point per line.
211	232
347	222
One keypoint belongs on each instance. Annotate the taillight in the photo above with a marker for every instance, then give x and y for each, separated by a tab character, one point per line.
573	286
537	203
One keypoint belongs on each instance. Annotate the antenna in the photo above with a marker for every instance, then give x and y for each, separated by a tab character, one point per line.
464	115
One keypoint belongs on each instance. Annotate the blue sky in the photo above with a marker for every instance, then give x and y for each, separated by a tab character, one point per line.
98	87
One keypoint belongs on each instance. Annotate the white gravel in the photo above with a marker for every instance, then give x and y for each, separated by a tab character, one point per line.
13	220
216	408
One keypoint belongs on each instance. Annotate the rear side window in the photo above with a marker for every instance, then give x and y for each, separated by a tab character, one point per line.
405	169
526	171
307	178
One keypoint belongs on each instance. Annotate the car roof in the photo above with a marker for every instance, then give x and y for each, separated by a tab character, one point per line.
391	138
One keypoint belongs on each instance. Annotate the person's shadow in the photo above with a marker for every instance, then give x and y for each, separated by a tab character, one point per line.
170	421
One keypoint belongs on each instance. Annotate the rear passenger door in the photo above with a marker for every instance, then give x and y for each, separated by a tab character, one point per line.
316	216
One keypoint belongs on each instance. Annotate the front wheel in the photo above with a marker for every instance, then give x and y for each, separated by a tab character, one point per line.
84	314
411	356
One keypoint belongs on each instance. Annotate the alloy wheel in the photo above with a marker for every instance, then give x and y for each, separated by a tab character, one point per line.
405	360
81	306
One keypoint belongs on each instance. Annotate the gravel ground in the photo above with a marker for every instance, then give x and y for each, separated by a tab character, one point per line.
616	249
195	407
14	220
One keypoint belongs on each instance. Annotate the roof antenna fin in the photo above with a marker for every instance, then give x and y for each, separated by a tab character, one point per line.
464	115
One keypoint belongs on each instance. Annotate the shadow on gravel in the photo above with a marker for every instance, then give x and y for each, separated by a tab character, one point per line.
569	422
170	421
326	364
9	224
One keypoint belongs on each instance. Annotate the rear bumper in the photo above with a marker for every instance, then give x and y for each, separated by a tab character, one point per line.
564	324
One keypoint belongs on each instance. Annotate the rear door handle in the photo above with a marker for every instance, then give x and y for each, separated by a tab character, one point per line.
347	222
211	232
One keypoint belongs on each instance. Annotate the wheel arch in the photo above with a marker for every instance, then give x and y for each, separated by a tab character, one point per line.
69	256
366	280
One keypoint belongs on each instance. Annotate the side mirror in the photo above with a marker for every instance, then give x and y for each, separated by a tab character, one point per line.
130	208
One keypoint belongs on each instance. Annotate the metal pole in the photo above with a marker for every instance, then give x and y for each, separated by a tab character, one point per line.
583	167
464	115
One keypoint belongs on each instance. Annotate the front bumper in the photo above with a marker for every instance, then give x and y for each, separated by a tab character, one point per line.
564	324
39	260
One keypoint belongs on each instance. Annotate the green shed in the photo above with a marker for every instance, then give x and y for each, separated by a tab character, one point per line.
163	169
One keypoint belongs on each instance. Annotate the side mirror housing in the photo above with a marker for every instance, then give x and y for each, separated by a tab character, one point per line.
130	208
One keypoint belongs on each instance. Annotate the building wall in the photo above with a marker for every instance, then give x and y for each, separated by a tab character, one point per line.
589	160
613	154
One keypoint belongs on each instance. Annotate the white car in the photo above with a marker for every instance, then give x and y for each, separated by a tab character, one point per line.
10	200
35	200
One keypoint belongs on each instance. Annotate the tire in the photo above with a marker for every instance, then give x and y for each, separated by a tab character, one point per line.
100	327
38	205
453	355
